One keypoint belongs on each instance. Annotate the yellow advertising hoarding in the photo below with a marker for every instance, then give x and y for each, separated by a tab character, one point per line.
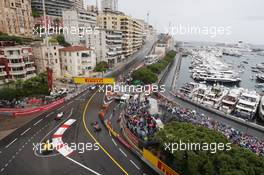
83	80
158	163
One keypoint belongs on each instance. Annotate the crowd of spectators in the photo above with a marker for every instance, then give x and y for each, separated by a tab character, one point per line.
242	139
138	118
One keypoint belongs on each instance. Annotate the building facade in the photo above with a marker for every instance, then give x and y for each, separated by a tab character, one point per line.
48	56
77	61
109	4
78	24
16	17
107	45
53	8
16	62
132	29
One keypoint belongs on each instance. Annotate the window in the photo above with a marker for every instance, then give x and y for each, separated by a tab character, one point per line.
70	54
64	53
77	53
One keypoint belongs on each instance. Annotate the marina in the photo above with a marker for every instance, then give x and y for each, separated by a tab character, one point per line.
230	83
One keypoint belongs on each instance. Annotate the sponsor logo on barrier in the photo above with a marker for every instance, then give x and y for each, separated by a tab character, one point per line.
83	80
158	163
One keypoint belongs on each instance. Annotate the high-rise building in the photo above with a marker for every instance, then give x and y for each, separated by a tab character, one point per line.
53	8
107	45
109	4
78	4
78	24
132	29
16	17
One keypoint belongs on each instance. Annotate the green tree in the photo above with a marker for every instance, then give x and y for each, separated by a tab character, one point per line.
35	14
144	75
237	161
62	42
101	66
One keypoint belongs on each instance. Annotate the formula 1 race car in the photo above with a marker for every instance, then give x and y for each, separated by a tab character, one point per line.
59	116
96	127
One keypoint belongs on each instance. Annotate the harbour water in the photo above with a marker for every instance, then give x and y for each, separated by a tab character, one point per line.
241	64
251	59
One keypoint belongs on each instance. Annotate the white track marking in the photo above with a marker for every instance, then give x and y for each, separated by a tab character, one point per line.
89	169
60	108
11	143
35	152
49	114
122	152
38	122
25	131
134	164
2	169
114	142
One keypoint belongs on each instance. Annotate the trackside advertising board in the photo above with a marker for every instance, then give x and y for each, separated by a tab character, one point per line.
158	163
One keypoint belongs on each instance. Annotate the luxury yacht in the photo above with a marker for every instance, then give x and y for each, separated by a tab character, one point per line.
199	93
188	88
214	97
261	109
247	105
229	101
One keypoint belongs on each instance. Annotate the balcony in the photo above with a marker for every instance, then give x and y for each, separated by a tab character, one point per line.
14	56
18	72
31	69
2	74
29	62
16	64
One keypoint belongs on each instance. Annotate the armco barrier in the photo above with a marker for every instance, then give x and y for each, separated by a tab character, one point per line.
23	112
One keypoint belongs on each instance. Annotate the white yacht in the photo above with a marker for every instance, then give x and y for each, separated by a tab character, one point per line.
261	109
199	93
229	101
214	97
247	105
188	88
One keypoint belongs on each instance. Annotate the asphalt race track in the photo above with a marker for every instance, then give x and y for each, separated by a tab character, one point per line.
103	155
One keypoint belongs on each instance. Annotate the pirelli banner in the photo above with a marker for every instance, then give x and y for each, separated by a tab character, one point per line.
158	163
83	80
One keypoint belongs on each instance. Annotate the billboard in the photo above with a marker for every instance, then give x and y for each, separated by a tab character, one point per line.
165	169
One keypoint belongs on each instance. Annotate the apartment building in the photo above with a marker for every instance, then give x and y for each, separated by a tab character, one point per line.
132	30
48	56
77	61
107	45
109	4
16	62
55	8
77	24
137	35
16	17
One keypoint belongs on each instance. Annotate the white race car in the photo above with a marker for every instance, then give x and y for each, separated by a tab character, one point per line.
59	116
